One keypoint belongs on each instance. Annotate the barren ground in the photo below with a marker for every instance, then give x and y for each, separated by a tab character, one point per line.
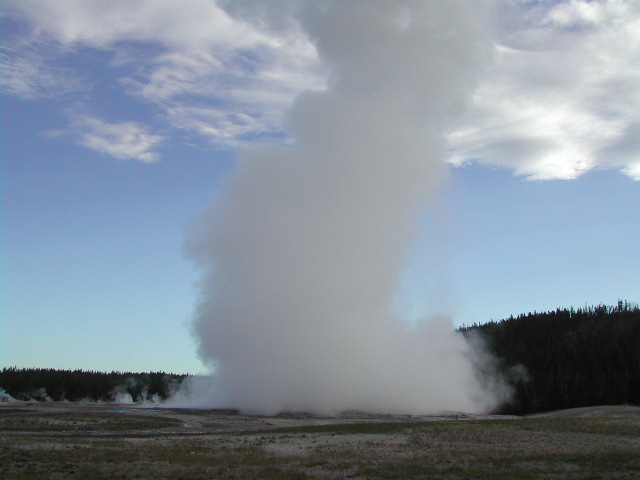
76	440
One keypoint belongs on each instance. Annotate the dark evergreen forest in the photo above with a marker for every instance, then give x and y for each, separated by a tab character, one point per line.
560	359
568	358
78	385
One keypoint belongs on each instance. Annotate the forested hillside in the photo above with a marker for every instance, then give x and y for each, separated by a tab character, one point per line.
79	385
571	358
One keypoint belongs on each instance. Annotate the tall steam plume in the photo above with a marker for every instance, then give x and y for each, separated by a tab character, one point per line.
304	247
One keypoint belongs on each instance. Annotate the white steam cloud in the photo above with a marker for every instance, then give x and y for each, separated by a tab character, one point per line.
305	245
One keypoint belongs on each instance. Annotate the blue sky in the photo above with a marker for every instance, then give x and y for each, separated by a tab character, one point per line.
119	125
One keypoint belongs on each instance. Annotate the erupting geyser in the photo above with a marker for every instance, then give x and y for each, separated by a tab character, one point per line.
304	247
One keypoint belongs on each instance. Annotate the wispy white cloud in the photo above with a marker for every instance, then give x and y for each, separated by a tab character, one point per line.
214	75
561	98
185	25
30	76
121	140
224	98
225	128
564	94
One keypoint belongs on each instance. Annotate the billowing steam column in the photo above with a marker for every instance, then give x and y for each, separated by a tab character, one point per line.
304	247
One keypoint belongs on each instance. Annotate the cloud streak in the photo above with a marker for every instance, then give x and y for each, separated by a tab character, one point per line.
28	76
121	140
563	95
208	74
561	99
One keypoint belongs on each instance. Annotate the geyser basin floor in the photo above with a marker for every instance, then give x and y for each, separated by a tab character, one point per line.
66	440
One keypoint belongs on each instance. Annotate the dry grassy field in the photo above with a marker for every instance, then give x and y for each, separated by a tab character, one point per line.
67	440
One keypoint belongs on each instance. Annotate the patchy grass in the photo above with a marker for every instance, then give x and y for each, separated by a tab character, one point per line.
82	422
371	428
100	459
39	446
617	426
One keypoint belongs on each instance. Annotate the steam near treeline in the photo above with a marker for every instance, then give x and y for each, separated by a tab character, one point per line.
564	358
47	384
568	357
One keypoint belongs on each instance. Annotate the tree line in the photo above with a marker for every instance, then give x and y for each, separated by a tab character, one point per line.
45	384
568	357
559	359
